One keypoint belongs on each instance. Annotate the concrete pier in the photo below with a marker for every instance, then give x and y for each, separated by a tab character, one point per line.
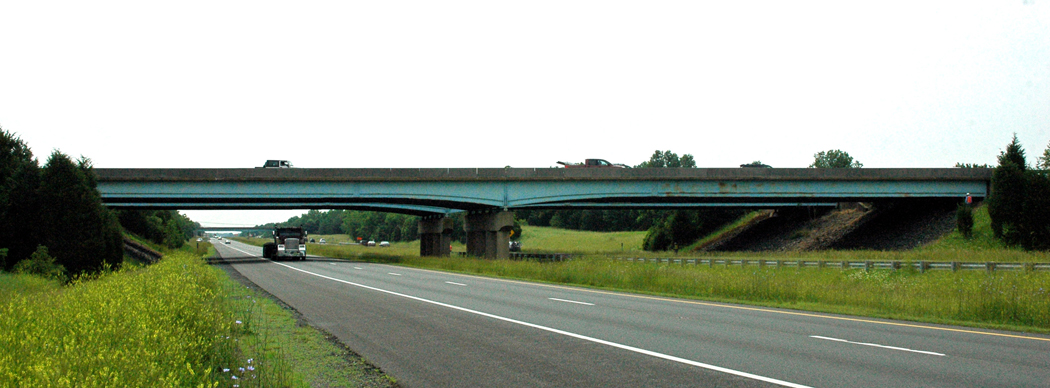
435	235
488	234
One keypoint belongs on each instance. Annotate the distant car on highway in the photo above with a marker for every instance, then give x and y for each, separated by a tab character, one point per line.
321	241
371	243
384	243
225	241
515	246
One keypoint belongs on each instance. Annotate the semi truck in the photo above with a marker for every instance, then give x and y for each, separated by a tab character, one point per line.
288	244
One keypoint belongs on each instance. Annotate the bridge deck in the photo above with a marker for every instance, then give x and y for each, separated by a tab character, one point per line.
440	190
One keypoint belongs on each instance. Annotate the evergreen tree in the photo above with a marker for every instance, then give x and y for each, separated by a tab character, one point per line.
79	231
19	181
1006	202
1044	161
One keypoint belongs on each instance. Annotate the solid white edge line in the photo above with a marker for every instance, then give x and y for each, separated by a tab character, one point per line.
879	346
571	301
562	332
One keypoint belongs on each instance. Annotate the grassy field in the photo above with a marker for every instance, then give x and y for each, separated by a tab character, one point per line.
175	323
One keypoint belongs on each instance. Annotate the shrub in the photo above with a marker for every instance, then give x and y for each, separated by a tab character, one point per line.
42	264
964	220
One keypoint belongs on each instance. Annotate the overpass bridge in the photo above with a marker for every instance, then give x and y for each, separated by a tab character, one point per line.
490	194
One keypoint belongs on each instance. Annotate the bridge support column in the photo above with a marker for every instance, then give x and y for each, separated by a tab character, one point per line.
488	234
435	235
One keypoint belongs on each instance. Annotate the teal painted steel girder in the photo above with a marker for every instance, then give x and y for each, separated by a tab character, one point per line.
436	191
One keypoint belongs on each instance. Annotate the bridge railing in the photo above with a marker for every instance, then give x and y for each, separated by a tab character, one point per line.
921	266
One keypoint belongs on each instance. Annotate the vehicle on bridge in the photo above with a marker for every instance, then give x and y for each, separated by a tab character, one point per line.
277	164
288	243
593	163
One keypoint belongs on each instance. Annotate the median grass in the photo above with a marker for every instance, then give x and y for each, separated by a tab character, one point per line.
176	323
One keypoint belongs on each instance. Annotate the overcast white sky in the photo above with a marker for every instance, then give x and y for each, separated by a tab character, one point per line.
229	84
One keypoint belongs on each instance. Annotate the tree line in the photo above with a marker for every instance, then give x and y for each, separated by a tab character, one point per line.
53	222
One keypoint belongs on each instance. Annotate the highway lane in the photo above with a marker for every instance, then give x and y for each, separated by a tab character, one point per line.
430	328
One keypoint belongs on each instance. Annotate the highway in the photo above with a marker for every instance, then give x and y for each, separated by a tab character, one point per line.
434	329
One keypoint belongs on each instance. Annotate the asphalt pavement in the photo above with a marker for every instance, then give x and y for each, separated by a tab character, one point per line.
434	329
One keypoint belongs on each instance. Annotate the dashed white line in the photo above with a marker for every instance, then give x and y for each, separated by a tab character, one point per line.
392	273
562	332
357	267
877	345
456	284
571	301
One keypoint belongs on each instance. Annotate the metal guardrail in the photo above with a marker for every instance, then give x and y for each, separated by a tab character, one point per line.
921	266
140	252
541	257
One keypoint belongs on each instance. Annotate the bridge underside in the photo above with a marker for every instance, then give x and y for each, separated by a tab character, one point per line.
439	192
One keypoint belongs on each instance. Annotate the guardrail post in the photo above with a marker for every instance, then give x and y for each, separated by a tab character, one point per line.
923	266
780	263
896	265
845	264
955	266
743	263
821	263
868	265
1029	267
989	266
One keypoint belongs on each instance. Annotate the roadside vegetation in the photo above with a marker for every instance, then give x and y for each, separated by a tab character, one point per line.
176	323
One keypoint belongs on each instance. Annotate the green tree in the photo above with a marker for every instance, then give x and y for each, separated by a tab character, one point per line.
1044	161
19	181
1015	154
1035	211
834	159
81	232
1006	202
661	159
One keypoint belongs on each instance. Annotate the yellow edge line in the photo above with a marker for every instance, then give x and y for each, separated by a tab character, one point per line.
723	305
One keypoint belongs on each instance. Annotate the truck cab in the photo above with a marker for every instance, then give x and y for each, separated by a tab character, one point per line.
288	243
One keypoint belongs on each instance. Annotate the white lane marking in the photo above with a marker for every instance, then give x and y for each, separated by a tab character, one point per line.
571	301
395	274
357	267
457	284
563	332
877	345
332	263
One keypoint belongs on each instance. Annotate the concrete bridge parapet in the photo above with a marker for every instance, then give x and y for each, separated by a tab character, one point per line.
488	234
435	235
